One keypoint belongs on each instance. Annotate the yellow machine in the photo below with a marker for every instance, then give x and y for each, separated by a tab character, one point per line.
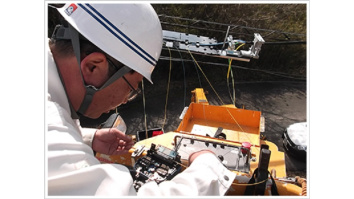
234	135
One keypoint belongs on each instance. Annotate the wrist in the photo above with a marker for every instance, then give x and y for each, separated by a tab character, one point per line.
88	135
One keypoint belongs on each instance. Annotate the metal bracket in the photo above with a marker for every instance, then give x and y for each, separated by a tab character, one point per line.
209	46
263	164
138	151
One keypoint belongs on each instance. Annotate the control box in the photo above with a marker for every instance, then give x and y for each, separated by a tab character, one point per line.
158	165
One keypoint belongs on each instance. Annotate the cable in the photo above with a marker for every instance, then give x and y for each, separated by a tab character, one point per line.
285	42
206	77
240	46
233	97
233	88
250	184
232	183
145	122
196	69
227	109
184	79
216	92
216	44
168	89
295	77
227	79
270	31
224	24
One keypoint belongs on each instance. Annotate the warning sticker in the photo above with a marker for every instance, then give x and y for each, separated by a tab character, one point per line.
70	9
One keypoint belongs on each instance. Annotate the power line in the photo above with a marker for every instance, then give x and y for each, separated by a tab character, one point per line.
266	32
279	74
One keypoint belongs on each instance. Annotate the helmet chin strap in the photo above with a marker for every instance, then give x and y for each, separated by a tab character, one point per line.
90	90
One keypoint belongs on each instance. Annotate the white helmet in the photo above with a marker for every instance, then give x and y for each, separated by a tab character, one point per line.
130	33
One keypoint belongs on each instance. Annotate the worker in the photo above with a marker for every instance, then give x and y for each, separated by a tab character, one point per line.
96	59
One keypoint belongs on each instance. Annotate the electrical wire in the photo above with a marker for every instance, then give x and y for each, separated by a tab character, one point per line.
196	69
184	79
227	109
240	46
145	121
168	89
248	29
239	184
233	97
222	102
233	88
295	77
250	184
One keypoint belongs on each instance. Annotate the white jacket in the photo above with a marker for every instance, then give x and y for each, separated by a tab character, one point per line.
74	170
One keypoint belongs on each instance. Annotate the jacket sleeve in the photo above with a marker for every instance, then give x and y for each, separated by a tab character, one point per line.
97	180
87	135
72	167
205	177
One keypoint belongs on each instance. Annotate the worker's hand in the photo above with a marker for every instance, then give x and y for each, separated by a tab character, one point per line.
194	155
111	141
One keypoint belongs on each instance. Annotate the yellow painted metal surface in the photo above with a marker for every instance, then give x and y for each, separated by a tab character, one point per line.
198	96
202	121
277	160
238	124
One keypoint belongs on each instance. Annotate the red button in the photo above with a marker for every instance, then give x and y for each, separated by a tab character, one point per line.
155	133
246	145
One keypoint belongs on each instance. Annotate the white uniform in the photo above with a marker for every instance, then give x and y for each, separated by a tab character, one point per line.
74	170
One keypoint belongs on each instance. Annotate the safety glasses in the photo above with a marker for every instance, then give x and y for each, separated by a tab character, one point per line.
134	92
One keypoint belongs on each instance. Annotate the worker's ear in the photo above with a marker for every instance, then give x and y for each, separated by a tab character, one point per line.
94	68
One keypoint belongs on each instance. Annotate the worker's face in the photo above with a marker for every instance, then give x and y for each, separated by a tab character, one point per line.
114	95
97	68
